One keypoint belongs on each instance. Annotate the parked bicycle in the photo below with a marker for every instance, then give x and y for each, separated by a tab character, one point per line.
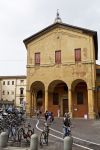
23	134
12	132
1	126
44	135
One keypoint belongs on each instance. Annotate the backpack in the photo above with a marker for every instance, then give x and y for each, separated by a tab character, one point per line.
66	122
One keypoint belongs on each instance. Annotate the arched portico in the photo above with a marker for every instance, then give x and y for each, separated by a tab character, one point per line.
79	98
58	96
37	91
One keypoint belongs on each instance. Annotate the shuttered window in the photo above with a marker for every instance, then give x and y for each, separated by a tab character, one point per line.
78	54
37	58
58	57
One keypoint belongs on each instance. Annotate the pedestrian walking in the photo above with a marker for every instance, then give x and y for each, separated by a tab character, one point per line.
46	115
66	125
58	112
37	113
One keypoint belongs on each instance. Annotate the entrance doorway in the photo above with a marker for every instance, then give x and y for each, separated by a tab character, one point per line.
80	100
65	106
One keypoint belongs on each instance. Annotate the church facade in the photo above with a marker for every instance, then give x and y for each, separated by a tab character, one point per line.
62	71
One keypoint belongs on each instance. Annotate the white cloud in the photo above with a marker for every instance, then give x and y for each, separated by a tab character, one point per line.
21	18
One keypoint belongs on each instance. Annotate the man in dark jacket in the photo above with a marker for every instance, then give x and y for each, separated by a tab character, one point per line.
66	124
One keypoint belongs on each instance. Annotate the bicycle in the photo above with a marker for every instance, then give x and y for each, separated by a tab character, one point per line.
22	134
44	135
12	132
1	126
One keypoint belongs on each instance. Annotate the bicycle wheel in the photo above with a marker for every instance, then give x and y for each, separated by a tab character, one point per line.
20	135
1	129
29	134
43	138
46	137
12	134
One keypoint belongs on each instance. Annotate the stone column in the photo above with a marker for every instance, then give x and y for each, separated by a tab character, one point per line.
91	113
46	100
31	114
28	102
70	101
34	97
32	107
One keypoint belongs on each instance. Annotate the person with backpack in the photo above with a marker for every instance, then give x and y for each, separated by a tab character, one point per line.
66	125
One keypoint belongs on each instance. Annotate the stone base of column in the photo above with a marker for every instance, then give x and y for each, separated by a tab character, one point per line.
91	115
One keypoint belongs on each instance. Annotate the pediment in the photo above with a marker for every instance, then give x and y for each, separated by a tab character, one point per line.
64	26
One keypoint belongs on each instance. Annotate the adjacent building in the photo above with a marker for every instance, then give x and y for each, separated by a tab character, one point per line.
12	90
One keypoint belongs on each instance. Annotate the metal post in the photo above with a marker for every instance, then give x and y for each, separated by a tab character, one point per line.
3	139
68	141
34	142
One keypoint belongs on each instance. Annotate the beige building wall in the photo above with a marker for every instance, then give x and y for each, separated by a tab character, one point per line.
67	42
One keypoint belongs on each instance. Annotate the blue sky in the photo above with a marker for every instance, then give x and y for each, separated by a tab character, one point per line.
20	19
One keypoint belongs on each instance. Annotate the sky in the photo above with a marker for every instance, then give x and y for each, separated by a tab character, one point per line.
20	19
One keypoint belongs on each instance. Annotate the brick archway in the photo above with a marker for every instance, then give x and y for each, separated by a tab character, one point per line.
79	99
58	96
37	91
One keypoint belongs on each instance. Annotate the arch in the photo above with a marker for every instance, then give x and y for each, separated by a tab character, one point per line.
54	83
79	98
76	82
37	85
37	90
58	96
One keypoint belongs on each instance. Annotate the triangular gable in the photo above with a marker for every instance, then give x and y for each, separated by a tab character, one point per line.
55	25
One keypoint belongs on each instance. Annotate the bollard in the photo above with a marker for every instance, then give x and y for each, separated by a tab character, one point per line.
68	141
3	139
34	142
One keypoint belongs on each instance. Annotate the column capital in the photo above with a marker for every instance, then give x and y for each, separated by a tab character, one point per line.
92	88
89	88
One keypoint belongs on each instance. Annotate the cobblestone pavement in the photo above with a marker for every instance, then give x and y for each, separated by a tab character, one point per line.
87	130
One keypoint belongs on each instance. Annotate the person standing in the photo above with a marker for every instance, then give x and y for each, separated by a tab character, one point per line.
46	115
38	113
66	124
58	112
